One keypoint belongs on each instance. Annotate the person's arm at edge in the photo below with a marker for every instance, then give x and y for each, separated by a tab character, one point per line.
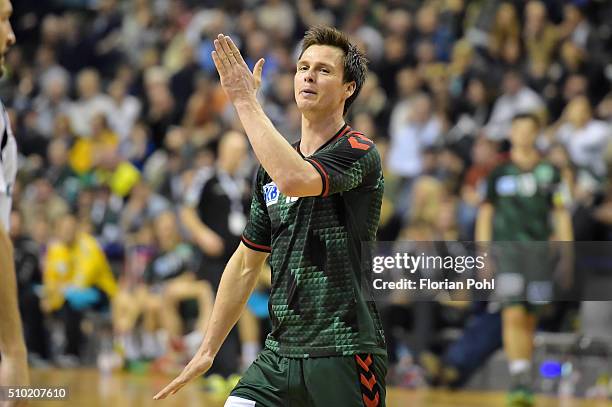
564	232
237	283
12	345
484	234
484	223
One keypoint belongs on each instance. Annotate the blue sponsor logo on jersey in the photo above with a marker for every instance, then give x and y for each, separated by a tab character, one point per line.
271	193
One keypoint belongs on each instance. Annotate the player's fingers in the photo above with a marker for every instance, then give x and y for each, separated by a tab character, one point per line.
221	54
235	50
171	388
228	50
218	64
258	69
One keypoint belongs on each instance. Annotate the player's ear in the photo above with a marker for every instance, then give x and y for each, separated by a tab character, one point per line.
349	89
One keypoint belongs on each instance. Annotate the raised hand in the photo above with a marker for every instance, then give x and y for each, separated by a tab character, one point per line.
236	78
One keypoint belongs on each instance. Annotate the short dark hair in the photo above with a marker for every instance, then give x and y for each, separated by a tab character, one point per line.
355	63
528	116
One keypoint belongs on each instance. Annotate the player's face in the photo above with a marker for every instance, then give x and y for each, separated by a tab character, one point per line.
7	36
318	82
523	133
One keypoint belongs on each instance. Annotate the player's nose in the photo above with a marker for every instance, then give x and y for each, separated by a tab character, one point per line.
309	76
11	39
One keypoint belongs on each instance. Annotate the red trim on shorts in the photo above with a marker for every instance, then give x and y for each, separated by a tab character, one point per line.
370	392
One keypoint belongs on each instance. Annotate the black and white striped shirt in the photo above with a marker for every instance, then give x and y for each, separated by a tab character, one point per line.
8	167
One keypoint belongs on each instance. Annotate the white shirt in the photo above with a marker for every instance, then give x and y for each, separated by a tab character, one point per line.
82	112
8	167
508	106
407	145
122	116
587	146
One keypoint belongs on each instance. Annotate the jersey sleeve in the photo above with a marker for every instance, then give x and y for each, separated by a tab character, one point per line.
257	234
352	162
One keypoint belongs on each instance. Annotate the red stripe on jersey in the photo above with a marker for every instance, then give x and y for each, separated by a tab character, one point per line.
255	245
361	136
343	132
320	167
356	144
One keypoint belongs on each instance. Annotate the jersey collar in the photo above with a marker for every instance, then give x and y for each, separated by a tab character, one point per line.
341	132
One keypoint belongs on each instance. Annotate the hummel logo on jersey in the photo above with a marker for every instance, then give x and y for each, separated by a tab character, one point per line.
270	192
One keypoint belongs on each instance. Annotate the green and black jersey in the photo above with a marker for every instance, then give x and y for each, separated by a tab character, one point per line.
317	305
523	201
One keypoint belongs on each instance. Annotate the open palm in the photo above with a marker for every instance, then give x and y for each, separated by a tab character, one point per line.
236	78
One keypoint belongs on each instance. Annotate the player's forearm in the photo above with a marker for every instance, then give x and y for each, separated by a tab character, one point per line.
484	223
284	165
562	221
236	285
11	337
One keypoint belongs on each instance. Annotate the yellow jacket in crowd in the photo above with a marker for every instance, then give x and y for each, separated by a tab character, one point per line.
82	265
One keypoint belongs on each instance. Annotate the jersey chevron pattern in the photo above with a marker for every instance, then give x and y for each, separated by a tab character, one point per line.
317	305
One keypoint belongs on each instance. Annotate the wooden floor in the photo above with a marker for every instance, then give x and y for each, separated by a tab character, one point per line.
88	388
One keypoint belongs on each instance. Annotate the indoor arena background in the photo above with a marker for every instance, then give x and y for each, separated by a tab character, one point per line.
118	113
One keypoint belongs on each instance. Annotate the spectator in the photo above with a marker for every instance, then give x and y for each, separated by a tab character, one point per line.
124	111
60	174
428	28
77	278
418	130
484	159
575	26
471	112
134	301
505	29
539	34
160	106
116	172
42	202
408	83
91	103
138	146
84	154
585	138
516	98
52	102
143	206
171	275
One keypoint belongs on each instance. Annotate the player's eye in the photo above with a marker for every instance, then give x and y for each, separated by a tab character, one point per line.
303	68
324	70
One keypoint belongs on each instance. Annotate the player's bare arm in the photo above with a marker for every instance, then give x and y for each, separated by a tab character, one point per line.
563	232
292	174
14	365
484	222
239	279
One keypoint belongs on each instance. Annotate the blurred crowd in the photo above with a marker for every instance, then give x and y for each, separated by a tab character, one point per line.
135	173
